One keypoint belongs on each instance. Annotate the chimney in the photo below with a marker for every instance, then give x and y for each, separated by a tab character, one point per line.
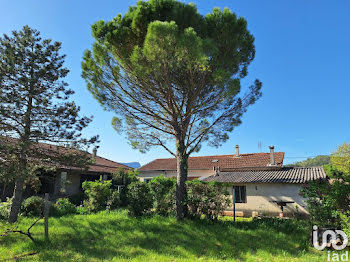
216	170
237	150
94	152
272	156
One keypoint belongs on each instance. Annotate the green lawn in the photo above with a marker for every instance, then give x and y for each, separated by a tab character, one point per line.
115	236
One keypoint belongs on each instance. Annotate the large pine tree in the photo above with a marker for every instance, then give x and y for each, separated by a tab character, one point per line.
172	74
34	108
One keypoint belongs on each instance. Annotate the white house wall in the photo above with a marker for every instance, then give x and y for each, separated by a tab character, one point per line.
259	197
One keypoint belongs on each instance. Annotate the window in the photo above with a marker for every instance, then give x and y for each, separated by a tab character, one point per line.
240	194
146	180
63	181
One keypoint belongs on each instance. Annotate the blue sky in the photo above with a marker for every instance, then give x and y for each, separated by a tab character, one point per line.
302	58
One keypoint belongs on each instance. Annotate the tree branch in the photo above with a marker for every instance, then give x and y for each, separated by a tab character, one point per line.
28	234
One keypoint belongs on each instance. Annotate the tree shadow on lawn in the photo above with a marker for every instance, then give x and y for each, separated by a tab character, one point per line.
130	237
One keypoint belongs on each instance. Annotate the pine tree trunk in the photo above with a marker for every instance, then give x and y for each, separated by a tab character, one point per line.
17	200
18	191
19	183
182	169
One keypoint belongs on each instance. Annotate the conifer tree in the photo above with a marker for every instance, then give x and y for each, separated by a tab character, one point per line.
172	77
35	108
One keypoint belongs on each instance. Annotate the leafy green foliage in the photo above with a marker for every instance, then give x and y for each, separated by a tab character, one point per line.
83	210
98	193
140	199
206	199
328	199
5	208
163	190
341	158
6	171
123	179
63	207
113	201
311	162
345	222
33	206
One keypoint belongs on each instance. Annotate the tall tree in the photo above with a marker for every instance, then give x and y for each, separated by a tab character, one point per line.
35	107
171	74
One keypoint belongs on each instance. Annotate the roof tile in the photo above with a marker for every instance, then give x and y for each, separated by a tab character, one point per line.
223	162
101	165
282	175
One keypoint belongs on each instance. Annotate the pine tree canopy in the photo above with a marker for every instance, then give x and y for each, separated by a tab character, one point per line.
170	73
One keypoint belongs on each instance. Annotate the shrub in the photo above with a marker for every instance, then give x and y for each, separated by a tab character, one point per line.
83	210
328	199
345	222
98	193
33	206
63	207
5	208
114	200
140	199
164	192
123	179
208	199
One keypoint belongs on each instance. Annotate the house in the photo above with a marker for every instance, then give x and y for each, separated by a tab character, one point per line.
65	180
203	166
68	180
268	191
257	182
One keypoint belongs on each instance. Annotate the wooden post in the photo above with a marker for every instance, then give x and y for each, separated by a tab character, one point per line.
46	215
234	203
281	214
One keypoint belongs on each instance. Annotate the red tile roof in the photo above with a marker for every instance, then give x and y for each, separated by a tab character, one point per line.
104	165
221	161
101	165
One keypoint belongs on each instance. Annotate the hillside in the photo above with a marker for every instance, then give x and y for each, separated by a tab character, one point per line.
311	162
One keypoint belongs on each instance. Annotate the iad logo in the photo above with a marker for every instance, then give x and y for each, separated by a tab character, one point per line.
336	256
330	237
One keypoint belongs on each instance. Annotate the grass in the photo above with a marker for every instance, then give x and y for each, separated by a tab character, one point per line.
116	237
